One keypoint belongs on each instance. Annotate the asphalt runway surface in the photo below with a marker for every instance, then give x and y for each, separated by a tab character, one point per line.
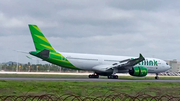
81	79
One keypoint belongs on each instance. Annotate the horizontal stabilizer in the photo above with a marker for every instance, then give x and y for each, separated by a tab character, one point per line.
44	53
22	51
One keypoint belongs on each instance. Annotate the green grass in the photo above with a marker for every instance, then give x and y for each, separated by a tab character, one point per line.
83	88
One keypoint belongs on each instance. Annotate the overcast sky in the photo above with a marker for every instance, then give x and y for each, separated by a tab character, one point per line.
113	27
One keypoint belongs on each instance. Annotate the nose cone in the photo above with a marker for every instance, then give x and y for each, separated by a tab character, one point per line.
168	67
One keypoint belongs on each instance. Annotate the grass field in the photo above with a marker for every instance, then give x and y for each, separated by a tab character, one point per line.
83	88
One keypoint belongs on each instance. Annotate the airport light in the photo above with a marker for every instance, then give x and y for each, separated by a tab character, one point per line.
37	68
19	67
0	67
60	68
29	68
17	62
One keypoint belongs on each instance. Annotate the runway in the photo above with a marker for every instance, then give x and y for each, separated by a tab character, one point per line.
74	79
81	79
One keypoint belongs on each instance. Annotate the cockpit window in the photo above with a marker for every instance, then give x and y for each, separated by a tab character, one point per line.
166	63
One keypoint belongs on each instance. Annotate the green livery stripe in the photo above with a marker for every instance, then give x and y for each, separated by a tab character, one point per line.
47	47
60	60
37	28
39	39
42	38
57	54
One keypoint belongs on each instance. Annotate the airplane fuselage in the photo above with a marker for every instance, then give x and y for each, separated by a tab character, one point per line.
88	61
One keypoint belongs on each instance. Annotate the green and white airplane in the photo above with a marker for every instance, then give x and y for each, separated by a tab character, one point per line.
101	65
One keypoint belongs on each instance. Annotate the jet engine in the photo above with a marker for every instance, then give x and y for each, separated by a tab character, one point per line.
138	71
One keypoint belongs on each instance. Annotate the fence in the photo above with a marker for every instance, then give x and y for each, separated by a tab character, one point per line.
70	97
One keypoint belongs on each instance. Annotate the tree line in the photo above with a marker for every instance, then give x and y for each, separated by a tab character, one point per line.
35	68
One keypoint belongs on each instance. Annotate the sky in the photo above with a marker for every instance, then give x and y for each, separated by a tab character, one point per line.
112	27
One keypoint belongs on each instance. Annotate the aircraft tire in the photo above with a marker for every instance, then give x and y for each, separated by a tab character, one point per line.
156	78
93	76
113	77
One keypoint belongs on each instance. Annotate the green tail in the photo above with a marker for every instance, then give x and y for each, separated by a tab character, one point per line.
39	39
45	51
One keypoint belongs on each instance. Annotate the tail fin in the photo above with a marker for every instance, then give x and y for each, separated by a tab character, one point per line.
39	39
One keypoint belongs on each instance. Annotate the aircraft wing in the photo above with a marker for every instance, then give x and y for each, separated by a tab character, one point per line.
121	65
129	62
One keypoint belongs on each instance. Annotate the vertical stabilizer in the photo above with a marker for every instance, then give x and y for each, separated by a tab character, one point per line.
39	39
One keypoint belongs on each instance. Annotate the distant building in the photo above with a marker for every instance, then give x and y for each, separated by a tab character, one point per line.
178	66
175	65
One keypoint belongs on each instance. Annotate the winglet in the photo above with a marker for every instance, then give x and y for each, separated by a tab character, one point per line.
141	57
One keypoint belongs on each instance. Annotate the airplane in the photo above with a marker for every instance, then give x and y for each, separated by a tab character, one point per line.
101	65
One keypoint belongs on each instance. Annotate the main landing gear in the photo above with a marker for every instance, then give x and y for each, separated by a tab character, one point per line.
93	76
109	76
156	77
112	77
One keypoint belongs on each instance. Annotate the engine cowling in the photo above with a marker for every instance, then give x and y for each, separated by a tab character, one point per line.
138	71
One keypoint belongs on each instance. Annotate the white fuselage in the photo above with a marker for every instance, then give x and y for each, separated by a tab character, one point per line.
88	61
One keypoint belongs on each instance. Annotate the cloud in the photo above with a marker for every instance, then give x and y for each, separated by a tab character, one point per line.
101	27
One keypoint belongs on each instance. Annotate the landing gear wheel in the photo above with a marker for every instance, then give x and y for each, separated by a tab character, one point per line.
157	77
93	76
113	77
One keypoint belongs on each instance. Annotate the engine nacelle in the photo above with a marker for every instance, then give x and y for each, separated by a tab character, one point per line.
138	71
